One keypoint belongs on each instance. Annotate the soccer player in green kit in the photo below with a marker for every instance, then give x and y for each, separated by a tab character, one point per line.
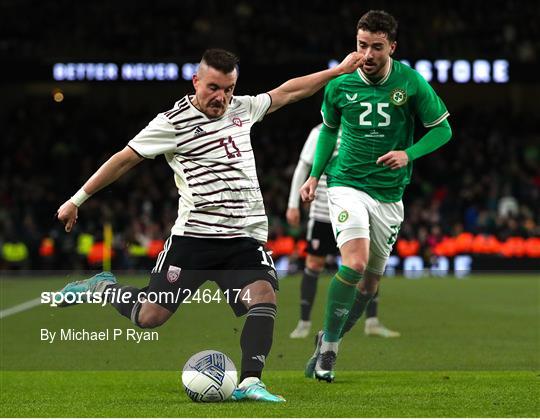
376	107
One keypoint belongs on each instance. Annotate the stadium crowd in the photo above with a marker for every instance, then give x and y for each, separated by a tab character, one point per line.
267	32
486	180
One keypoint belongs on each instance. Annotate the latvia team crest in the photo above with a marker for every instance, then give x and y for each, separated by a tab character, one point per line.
237	121
173	273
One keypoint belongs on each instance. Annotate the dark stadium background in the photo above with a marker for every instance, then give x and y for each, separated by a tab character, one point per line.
485	181
469	347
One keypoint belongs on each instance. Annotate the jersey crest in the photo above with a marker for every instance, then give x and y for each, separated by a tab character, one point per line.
398	96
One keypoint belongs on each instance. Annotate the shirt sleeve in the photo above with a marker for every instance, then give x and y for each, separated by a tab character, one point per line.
331	115
429	107
258	106
308	151
157	138
300	175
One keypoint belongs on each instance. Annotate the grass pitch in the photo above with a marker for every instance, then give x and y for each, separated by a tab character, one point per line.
469	348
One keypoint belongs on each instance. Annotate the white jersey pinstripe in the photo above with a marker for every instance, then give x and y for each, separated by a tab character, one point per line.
214	167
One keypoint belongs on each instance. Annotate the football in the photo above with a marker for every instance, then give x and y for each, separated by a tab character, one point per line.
209	376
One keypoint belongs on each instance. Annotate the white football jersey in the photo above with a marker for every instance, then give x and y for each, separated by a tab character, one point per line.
214	167
319	207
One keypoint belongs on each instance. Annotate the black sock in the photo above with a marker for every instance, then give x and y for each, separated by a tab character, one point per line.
128	309
308	289
360	302
256	339
373	306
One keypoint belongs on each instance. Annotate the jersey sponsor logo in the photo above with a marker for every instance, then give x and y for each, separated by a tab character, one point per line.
351	97
398	96
343	216
237	121
375	134
173	273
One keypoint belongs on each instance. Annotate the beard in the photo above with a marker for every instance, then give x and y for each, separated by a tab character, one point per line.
371	67
215	109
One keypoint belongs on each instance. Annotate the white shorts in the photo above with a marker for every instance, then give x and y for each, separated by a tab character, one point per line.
355	214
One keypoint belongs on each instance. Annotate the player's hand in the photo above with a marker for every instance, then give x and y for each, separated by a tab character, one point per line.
395	159
307	192
293	217
350	63
67	214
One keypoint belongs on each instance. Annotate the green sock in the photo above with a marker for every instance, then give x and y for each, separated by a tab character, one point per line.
340	299
360	302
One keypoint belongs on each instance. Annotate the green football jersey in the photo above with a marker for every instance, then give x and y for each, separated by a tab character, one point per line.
377	117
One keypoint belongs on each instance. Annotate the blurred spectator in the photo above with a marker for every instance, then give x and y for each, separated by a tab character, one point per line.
484	181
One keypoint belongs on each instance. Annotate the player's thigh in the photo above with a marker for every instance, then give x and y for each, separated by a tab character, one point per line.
349	214
247	263
386	221
181	268
350	211
320	238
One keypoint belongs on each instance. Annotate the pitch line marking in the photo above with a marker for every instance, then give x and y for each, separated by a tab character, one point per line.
25	306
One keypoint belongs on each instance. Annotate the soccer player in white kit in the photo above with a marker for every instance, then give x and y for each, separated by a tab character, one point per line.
221	224
321	243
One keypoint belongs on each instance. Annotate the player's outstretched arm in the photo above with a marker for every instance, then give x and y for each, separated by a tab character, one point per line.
302	87
109	172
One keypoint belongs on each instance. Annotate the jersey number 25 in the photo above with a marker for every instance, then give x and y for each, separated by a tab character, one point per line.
380	110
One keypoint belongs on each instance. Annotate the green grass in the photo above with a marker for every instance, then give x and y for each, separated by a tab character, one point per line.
469	348
355	394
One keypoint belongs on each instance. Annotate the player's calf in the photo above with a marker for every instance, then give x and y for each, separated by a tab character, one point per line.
257	333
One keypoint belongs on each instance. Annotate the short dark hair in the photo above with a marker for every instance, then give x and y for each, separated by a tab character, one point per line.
221	60
379	21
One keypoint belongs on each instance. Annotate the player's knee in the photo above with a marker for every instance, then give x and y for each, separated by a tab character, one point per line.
315	263
150	318
261	292
150	321
357	264
356	254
